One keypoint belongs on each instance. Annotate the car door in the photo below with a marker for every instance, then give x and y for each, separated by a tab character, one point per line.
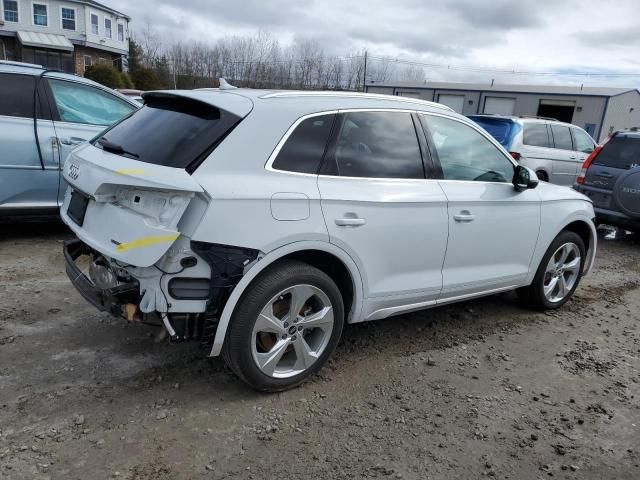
82	111
28	176
565	162
493	229
381	210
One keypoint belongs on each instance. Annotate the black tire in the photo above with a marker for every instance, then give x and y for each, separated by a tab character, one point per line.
533	295
237	349
542	176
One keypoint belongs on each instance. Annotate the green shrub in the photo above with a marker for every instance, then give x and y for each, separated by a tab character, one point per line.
105	74
146	79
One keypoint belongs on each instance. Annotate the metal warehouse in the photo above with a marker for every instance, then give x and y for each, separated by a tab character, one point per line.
599	110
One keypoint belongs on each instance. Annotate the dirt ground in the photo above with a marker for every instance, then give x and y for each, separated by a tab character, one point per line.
483	388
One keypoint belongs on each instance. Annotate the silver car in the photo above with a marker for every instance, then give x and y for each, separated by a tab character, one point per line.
43	116
553	149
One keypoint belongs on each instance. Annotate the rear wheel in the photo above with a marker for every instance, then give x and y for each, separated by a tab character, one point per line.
558	274
285	327
542	176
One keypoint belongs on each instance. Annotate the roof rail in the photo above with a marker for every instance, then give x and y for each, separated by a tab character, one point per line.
20	64
373	96
539	118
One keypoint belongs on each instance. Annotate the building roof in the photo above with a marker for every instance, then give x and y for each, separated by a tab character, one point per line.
511	88
93	3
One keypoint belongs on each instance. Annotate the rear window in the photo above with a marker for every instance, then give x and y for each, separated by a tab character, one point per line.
16	95
502	129
170	131
622	151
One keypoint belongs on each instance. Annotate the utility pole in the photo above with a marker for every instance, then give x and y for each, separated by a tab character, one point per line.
364	79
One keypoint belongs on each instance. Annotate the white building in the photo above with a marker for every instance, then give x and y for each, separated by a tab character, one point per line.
67	35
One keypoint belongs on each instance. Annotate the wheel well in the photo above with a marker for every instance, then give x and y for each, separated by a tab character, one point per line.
333	267
542	175
583	230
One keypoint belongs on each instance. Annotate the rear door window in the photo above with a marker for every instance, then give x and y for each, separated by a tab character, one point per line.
536	135
169	130
79	103
622	151
303	150
561	137
378	145
16	95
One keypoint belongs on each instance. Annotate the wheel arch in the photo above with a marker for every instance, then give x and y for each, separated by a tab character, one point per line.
586	229
322	255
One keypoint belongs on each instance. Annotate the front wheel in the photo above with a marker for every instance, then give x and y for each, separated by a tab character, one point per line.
285	327
558	275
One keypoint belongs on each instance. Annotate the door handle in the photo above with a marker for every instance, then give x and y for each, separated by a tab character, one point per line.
573	158
350	222
464	216
72	141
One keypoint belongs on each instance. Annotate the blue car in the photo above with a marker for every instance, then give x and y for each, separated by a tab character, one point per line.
43	116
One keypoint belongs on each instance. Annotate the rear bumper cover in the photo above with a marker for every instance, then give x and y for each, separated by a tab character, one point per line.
616	219
108	300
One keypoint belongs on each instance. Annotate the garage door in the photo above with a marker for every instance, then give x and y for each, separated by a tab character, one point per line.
499	105
409	94
456	102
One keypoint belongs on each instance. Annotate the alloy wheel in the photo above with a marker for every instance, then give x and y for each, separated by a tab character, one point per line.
562	273
292	331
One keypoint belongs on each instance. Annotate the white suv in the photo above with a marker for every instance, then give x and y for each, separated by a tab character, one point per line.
260	222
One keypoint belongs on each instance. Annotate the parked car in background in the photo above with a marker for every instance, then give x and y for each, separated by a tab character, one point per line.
43	116
259	222
132	94
554	150
610	177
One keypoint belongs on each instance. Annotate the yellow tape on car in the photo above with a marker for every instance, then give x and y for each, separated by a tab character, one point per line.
146	242
131	171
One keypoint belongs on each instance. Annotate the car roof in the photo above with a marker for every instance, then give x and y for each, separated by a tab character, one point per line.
523	119
241	101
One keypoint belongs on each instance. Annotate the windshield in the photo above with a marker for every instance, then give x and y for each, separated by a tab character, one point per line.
622	151
169	130
502	129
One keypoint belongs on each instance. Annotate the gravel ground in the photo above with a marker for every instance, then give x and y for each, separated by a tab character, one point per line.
483	388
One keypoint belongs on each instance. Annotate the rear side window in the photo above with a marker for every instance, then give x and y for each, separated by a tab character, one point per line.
303	150
562	137
536	135
621	151
501	129
78	103
16	95
170	131
378	145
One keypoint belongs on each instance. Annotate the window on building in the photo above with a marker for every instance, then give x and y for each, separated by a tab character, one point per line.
11	11
303	150
120	32
40	14
95	30
536	135
88	61
107	27
465	154
377	145
562	137
68	18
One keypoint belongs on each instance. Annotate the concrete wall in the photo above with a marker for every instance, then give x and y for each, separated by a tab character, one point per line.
82	32
623	112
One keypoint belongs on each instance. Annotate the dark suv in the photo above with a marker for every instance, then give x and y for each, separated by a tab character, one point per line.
610	177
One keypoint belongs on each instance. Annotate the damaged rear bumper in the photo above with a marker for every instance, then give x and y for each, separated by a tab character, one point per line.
109	300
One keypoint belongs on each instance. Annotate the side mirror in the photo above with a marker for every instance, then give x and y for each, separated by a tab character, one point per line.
524	178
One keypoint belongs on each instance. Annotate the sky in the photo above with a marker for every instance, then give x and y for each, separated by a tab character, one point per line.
565	36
